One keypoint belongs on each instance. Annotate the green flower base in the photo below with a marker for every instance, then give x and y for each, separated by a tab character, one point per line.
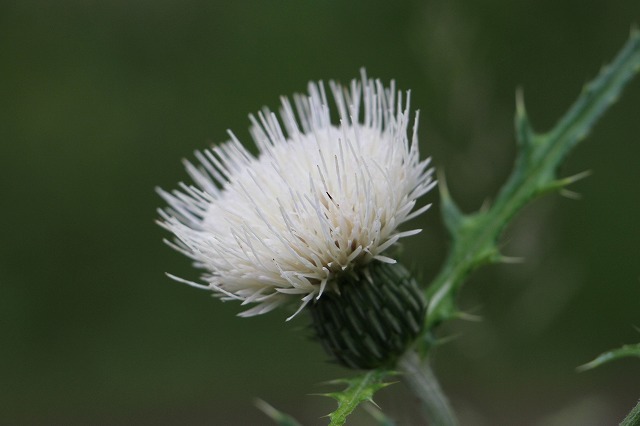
375	316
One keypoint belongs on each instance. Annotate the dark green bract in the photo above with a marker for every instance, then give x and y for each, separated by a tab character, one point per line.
376	315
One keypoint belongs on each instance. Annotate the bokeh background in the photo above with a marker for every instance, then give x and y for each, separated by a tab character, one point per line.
99	102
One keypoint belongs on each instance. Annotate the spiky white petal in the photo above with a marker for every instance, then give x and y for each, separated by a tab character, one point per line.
319	200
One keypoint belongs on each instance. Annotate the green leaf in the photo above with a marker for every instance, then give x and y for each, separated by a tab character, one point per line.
358	389
475	236
280	418
623	352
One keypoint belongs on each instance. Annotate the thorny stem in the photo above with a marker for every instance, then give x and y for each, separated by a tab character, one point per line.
474	236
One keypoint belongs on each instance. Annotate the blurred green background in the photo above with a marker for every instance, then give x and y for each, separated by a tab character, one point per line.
99	101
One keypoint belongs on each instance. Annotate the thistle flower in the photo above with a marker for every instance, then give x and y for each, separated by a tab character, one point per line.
320	203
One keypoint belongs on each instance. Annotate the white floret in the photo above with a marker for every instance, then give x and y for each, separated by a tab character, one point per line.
320	199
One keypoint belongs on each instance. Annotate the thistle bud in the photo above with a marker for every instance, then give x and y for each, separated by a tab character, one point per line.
371	318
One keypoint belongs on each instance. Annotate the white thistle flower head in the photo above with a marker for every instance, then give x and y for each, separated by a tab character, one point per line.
319	200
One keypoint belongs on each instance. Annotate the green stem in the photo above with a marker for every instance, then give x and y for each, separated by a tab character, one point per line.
475	235
420	378
633	419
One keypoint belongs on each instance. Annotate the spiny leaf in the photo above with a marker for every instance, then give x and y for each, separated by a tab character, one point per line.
359	389
280	418
624	351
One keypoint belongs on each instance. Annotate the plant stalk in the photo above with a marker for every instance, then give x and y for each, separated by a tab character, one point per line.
420	378
633	419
